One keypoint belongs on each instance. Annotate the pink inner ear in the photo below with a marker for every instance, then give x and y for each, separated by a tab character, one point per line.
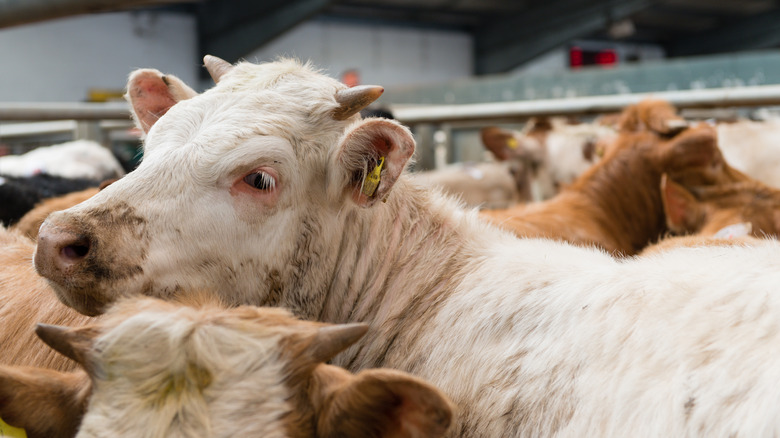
151	98
678	203
382	146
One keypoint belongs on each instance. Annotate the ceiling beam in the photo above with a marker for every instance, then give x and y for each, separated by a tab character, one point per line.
759	31
215	17
506	44
234	34
18	12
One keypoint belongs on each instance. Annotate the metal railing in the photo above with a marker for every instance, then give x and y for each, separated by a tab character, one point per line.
764	95
39	111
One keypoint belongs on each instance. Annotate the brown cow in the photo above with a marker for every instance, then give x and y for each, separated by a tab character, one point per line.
28	299
706	210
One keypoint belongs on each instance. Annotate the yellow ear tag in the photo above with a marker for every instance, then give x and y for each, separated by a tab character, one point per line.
6	430
372	179
512	143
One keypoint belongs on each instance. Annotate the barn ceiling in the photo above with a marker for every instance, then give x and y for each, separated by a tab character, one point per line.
507	33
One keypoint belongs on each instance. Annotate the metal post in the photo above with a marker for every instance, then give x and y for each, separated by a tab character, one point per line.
89	130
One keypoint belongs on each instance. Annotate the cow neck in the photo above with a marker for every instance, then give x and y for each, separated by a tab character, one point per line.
395	260
625	200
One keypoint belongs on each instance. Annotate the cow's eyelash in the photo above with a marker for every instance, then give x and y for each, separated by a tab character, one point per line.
260	180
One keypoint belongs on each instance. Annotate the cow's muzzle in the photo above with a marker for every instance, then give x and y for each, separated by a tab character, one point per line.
61	252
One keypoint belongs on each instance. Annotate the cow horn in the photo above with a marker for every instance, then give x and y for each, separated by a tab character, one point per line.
71	343
217	67
331	340
354	99
675	125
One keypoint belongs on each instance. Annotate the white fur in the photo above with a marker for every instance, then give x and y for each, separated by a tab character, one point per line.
753	148
564	158
145	384
484	185
76	159
527	337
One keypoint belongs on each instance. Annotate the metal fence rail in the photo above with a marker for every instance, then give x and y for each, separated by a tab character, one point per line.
39	111
765	95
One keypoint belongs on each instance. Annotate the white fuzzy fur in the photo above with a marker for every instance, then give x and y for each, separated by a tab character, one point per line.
76	159
753	148
484	185
145	387
527	337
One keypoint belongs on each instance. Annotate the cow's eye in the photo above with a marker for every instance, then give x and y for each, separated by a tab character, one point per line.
260	181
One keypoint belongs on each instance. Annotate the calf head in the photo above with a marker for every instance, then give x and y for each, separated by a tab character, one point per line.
242	188
708	210
522	153
162	369
660	142
637	161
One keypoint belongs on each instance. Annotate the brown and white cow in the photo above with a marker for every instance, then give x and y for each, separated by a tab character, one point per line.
269	188
617	205
157	369
707	210
555	151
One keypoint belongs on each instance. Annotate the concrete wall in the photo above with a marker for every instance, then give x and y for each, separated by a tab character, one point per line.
61	60
383	54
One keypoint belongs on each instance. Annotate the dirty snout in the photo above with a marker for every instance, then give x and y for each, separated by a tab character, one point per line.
89	258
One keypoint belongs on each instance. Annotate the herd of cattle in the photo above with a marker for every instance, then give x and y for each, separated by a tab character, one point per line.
640	296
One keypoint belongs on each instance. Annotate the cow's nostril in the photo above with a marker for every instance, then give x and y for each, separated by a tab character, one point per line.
76	251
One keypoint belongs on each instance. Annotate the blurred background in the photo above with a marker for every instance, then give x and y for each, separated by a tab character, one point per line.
448	66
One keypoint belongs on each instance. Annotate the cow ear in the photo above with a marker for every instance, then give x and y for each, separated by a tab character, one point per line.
693	157
151	94
653	115
43	402
683	212
505	145
369	159
661	117
499	142
382	403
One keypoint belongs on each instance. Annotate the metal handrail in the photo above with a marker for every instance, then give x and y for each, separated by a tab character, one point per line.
39	111
763	95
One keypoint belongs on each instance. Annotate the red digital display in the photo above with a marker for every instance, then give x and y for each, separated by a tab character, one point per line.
579	57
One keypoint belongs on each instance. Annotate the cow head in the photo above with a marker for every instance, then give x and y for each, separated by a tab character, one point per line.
156	368
708	210
242	188
653	115
523	154
660	142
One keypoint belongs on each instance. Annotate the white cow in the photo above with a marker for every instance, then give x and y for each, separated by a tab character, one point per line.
269	188
753	148
75	159
484	185
158	369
